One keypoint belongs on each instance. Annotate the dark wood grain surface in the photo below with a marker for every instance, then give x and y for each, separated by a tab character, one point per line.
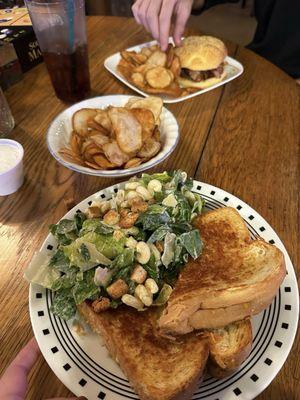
243	137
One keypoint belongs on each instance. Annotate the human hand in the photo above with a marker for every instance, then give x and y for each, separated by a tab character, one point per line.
156	16
13	383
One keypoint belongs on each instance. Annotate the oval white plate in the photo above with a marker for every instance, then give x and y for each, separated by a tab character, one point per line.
82	363
233	69
59	132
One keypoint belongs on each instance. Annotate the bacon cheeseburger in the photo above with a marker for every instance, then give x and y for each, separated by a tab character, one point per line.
202	61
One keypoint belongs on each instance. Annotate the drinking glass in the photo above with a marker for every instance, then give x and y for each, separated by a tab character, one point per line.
60	29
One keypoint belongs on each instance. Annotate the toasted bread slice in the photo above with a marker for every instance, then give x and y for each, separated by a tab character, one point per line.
157	368
233	271
229	347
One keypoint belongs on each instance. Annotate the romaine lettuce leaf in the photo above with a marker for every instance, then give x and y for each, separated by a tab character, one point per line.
66	281
178	179
96	225
101	248
65	226
152	268
162	177
61	238
123	260
154	217
192	242
60	261
40	272
199	204
184	209
159	234
85	289
63	304
169	249
79	218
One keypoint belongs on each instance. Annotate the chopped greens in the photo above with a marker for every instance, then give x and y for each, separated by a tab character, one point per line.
159	234
154	217
191	241
92	256
84	252
63	304
60	261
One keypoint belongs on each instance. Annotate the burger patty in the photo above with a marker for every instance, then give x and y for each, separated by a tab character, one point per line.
199	76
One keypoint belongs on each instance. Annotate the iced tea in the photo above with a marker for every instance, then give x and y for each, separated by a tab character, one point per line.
69	74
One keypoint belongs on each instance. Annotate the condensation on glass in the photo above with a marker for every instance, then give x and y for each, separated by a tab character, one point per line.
7	122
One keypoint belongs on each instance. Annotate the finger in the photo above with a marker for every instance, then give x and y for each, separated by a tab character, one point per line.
143	14
152	18
165	15
14	380
182	14
135	10
139	11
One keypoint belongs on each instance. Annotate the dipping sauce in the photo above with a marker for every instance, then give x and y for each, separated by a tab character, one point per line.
9	157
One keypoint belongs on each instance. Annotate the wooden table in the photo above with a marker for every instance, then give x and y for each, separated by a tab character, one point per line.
243	137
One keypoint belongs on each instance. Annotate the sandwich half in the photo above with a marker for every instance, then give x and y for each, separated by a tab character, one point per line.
202	61
162	369
157	368
235	277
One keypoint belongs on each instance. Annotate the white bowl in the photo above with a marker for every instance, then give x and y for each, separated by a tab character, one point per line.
59	132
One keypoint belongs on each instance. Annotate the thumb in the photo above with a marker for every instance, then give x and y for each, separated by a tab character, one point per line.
14	379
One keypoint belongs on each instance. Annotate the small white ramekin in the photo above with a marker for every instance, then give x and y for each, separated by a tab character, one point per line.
12	179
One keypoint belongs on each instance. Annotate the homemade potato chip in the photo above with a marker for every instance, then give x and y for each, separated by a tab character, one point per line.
80	120
146	51
143	68
150	148
114	154
138	78
156	134
75	143
158	77
146	119
68	155
103	120
134	162
127	129
157	58
154	104
100	139
103	162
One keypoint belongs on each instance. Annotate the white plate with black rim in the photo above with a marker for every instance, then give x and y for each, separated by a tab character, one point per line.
233	70
82	363
59	132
